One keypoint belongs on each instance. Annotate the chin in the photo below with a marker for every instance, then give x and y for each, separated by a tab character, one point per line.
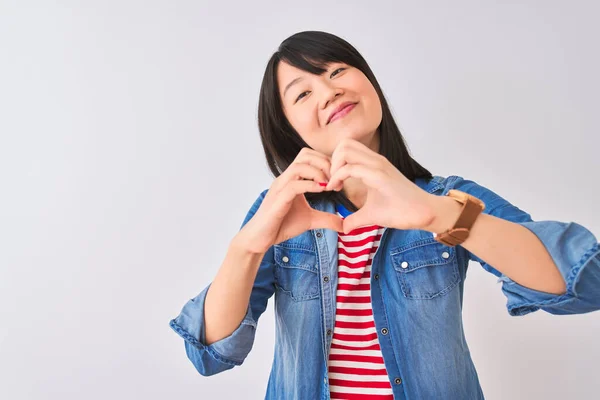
357	133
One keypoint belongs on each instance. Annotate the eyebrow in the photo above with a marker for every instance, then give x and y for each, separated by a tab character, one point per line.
291	83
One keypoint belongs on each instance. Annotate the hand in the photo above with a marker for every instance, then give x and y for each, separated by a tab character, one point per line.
392	199
284	212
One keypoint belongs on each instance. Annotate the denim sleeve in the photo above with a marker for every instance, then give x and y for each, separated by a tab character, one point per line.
573	248
232	350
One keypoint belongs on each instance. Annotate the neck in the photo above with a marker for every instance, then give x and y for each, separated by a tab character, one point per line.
356	191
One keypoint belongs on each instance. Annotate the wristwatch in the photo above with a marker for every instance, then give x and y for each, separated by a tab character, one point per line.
471	209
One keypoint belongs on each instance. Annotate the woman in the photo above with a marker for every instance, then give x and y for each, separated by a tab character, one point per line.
353	239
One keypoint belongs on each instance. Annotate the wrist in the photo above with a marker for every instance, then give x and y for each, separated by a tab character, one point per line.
242	245
446	211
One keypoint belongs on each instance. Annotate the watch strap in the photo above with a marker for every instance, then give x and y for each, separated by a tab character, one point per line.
471	208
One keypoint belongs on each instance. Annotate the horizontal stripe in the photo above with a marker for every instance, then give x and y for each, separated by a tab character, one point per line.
356	236
366	353
343	258
355	338
359	275
357	371
355	348
361	232
348	286
354	271
353	312
353	299
338	393
354	293
354	267
354	324
351	248
356	253
355	358
359	259
354	331
364	379
360	384
356	364
360	396
355	344
359	319
355	281
354	243
351	266
354	306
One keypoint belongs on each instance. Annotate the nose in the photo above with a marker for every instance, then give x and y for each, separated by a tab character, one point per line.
330	93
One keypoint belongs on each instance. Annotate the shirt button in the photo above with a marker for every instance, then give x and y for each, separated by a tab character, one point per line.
285	259
404	264
397	381
326	279
328	332
319	234
445	254
384	331
376	276
325	380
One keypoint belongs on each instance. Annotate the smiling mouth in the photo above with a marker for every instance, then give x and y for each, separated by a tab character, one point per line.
343	112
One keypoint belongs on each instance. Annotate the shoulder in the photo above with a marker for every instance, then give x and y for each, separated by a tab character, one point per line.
456	182
260	198
493	201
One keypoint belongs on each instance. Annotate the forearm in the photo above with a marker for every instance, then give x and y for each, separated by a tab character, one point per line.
510	248
229	293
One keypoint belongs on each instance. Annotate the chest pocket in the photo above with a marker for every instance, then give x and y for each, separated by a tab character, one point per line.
296	273
426	268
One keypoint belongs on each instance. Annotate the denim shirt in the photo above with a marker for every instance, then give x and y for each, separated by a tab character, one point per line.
416	293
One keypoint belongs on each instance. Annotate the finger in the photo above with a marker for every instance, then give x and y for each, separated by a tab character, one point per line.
366	174
354	221
301	171
326	220
354	152
294	188
319	160
311	152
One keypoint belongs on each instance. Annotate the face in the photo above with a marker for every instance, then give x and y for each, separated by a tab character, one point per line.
310	100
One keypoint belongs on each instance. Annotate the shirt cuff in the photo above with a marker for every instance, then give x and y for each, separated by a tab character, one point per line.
576	253
220	355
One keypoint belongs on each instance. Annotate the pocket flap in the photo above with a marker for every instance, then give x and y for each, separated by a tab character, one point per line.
422	253
294	257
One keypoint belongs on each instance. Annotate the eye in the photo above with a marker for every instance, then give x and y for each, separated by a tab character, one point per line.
300	96
331	76
334	72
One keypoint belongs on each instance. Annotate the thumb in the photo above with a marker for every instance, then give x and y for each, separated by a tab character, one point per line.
354	220
321	219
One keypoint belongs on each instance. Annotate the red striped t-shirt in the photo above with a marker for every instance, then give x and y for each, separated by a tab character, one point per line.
355	366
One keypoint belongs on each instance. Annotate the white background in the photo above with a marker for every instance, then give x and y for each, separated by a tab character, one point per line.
129	156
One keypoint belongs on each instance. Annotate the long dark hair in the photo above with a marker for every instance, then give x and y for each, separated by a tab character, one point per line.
311	51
